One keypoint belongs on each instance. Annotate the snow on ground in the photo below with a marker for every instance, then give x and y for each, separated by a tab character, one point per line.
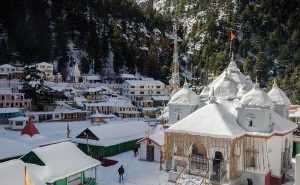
136	172
50	132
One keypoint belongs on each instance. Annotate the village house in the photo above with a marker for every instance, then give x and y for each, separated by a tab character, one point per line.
59	115
12	98
91	78
99	118
239	135
6	70
119	106
112	138
46	68
6	113
152	147
141	92
47	165
147	94
17	123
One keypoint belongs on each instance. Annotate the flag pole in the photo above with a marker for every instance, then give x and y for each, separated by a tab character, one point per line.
25	175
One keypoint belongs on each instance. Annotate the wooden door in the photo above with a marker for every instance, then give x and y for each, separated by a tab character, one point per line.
150	152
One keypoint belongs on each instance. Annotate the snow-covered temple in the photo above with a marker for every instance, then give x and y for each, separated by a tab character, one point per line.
233	133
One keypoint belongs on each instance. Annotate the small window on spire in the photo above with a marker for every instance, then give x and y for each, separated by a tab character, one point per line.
250	123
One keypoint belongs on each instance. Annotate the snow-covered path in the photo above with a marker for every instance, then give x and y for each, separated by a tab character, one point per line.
136	172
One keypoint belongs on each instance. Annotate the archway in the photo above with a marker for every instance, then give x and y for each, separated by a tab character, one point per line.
198	161
217	166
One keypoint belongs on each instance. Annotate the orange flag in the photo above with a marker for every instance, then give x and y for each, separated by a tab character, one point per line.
27	177
232	36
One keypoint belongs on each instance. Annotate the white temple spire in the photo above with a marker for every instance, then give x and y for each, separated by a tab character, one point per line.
76	73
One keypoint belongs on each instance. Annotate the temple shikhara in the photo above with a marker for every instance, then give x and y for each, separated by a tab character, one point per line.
232	133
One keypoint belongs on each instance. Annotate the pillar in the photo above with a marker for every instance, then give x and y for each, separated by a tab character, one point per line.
297	170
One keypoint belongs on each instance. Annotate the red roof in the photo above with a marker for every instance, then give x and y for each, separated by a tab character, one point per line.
30	129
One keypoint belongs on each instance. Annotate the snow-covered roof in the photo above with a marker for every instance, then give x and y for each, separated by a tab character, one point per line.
7	66
127	76
99	115
13	148
116	132
185	96
144	82
282	125
19	118
57	167
232	78
111	102
92	77
211	120
256	98
9	110
158	138
161	98
12	173
278	96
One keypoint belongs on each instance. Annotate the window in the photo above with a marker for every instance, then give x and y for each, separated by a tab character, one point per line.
142	92
158	87
250	123
157	92
142	87
251	158
19	123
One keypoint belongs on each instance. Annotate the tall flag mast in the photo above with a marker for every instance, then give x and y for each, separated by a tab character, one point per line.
175	78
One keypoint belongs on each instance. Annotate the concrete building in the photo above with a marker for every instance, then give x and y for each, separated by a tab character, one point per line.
8	98
46	68
142	92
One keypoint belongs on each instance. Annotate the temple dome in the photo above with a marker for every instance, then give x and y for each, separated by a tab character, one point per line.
226	88
278	96
235	75
185	96
256	98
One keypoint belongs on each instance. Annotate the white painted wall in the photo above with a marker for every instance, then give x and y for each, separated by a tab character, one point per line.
180	111
297	170
260	119
143	151
275	148
156	153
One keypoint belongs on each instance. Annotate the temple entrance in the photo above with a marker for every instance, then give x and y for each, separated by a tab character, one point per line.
217	166
150	152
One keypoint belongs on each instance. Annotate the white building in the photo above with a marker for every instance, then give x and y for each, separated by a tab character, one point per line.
142	92
17	123
7	69
47	68
152	147
48	165
238	135
120	106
